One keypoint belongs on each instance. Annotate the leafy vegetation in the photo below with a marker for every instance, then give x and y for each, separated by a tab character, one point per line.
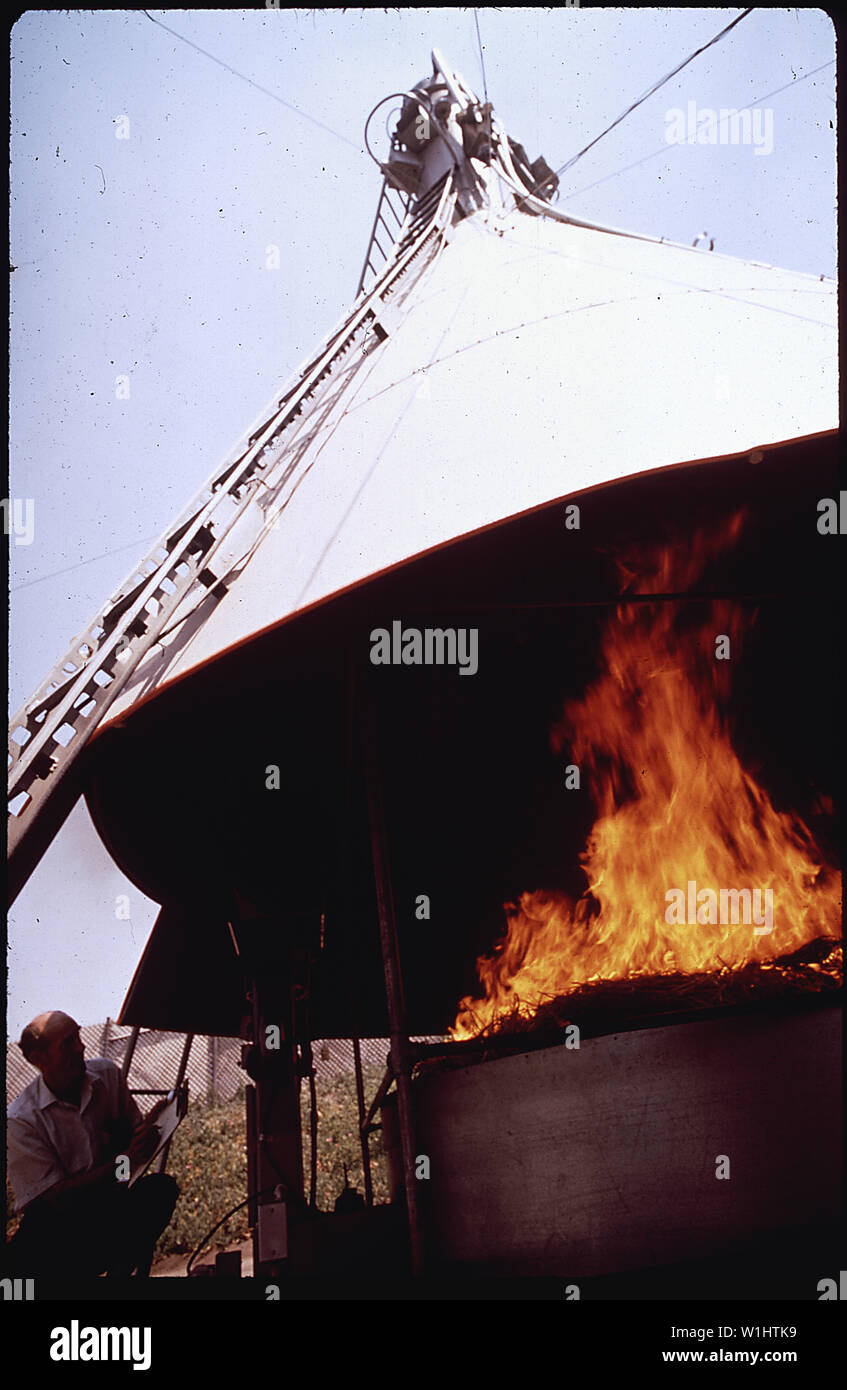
338	1140
208	1158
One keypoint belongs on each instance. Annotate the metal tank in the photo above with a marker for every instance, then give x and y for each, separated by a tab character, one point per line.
638	1149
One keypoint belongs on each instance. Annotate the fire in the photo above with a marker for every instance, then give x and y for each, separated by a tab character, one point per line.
675	808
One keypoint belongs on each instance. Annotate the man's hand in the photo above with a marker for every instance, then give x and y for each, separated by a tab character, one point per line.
142	1146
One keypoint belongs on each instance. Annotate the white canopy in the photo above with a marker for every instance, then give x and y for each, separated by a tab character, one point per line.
532	359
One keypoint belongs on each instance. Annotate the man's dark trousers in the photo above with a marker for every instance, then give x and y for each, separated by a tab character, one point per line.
110	1229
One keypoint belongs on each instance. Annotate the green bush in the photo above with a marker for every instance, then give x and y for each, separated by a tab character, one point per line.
338	1139
208	1158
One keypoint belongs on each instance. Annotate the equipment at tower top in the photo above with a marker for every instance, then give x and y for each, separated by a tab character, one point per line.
469	135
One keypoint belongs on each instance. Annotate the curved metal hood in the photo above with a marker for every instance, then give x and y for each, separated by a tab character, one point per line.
178	788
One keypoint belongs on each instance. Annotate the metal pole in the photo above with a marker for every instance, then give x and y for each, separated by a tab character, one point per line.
363	1134
313	1130
212	1085
277	1140
393	978
180	1077
127	1061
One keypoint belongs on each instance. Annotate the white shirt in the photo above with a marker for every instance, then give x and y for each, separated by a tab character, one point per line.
51	1139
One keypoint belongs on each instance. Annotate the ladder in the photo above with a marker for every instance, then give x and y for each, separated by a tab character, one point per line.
53	726
393	231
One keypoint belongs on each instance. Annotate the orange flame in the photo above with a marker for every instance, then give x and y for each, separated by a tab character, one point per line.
675	807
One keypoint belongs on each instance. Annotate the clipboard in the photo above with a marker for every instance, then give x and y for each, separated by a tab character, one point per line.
165	1125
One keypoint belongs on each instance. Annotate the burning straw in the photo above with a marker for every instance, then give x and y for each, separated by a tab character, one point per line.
675	806
606	1005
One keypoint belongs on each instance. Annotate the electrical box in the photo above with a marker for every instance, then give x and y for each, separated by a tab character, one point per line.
273	1232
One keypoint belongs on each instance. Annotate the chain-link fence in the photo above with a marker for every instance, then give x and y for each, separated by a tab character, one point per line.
213	1072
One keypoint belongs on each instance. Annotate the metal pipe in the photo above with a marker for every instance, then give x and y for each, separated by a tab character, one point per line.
212	1085
393	977
363	1133
384	1087
183	1064
313	1130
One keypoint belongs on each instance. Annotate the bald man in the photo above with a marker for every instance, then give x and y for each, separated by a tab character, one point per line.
65	1131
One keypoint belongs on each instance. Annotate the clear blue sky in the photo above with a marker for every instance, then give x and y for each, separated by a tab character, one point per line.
146	257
